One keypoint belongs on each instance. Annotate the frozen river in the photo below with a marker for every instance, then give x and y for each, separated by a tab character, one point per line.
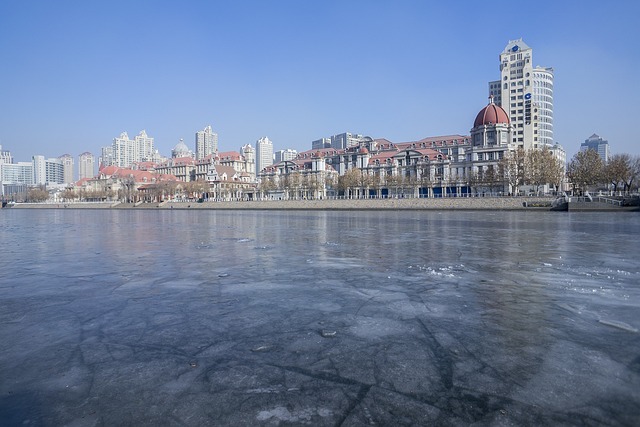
130	317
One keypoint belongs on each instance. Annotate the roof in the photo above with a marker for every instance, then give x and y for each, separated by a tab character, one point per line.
490	115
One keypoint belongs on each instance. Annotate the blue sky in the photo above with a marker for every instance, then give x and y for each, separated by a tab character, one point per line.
74	74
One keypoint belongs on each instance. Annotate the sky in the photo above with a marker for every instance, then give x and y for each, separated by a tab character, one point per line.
75	74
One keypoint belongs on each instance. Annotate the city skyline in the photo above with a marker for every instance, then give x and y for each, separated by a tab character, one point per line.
403	72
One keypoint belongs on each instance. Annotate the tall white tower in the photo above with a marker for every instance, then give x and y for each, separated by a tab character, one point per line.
264	154
206	143
526	94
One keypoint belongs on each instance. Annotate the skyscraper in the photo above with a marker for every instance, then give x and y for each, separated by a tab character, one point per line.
595	142
86	165
124	151
264	154
67	168
206	143
526	93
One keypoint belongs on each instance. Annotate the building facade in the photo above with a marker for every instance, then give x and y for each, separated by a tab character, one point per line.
124	152
206	143
67	167
86	166
595	142
5	156
47	171
282	155
526	94
264	154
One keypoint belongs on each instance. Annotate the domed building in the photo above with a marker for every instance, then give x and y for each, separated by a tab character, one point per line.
491	138
181	150
492	126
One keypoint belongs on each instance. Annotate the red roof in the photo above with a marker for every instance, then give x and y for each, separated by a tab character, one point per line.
490	115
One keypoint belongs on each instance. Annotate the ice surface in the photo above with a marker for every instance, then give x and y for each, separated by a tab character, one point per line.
319	318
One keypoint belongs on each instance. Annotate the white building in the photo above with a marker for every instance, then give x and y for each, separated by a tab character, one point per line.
249	154
125	152
526	93
67	168
5	156
595	142
47	171
86	165
282	155
16	173
264	154
345	140
206	143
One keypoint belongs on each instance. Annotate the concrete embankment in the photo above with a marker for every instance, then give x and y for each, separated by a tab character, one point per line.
470	203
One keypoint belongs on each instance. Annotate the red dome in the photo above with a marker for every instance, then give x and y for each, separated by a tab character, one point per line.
490	115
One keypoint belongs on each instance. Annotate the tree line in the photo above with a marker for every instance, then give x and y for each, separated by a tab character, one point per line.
620	173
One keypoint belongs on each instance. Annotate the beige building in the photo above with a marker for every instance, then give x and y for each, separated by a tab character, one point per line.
526	94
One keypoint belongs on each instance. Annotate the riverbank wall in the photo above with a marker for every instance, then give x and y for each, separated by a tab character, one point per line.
467	203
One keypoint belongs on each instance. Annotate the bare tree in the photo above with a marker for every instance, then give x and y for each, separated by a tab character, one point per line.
37	195
634	176
349	181
513	165
69	195
541	168
618	170
585	169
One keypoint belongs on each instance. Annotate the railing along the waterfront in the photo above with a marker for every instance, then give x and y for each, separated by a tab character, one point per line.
596	199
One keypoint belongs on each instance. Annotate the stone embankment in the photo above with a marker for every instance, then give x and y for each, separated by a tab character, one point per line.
470	203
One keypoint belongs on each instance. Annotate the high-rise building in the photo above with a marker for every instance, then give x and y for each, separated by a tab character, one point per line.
526	93
264	154
206	143
595	142
106	157
67	168
5	156
47	171
125	152
144	144
86	165
282	155
321	143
